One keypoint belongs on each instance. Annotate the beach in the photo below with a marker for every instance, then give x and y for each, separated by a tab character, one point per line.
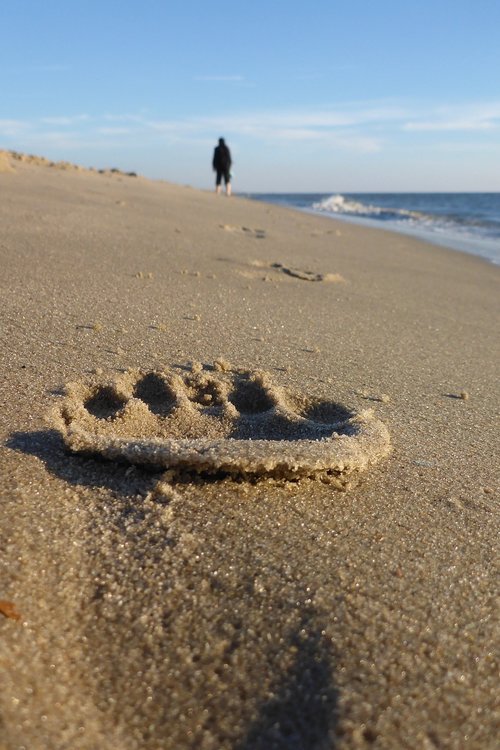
147	611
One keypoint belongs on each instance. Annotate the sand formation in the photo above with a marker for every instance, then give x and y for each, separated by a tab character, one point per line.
217	420
279	272
259	234
304	275
8	161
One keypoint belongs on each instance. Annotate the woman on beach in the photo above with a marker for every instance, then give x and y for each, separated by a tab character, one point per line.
222	166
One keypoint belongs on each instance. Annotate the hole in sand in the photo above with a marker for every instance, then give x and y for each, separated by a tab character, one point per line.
153	390
206	394
327	412
249	398
104	403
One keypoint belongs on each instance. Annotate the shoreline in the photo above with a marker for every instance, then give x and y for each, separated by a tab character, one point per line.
222	612
480	247
430	238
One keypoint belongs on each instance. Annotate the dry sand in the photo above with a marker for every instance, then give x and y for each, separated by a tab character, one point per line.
210	421
141	610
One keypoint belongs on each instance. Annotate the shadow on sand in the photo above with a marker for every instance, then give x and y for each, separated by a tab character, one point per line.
302	712
81	470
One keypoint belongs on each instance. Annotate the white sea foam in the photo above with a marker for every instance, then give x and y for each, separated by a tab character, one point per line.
339	204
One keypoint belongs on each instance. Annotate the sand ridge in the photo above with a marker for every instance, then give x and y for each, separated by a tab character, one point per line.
9	159
217	420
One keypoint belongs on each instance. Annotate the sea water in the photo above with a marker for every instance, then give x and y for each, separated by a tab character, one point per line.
469	222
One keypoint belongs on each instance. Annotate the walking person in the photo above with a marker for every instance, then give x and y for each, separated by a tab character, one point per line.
222	166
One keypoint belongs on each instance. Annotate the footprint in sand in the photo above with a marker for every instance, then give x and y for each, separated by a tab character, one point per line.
306	275
256	267
209	420
259	234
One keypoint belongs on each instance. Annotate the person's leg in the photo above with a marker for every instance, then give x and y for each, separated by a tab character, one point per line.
227	180
218	181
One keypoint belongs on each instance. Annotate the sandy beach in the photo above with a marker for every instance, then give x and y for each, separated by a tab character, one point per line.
242	603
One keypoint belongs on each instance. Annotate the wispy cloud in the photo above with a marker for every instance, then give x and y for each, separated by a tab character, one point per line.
450	125
477	117
123	117
61	121
347	128
305	122
357	127
114	131
467	147
13	128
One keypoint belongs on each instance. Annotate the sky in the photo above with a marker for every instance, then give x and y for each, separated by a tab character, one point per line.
318	96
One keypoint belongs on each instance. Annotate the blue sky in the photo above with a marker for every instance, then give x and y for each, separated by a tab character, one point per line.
329	95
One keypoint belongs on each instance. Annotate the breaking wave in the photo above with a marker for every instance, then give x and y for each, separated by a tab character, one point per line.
339	204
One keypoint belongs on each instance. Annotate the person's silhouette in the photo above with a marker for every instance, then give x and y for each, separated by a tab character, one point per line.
222	166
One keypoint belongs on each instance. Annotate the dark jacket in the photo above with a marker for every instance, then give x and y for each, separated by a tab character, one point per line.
222	158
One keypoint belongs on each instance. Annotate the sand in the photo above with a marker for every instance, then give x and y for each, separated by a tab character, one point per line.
217	422
146	607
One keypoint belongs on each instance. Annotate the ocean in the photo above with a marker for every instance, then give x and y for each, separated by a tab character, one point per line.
469	222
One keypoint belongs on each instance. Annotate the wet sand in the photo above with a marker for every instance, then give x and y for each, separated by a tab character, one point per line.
148	610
